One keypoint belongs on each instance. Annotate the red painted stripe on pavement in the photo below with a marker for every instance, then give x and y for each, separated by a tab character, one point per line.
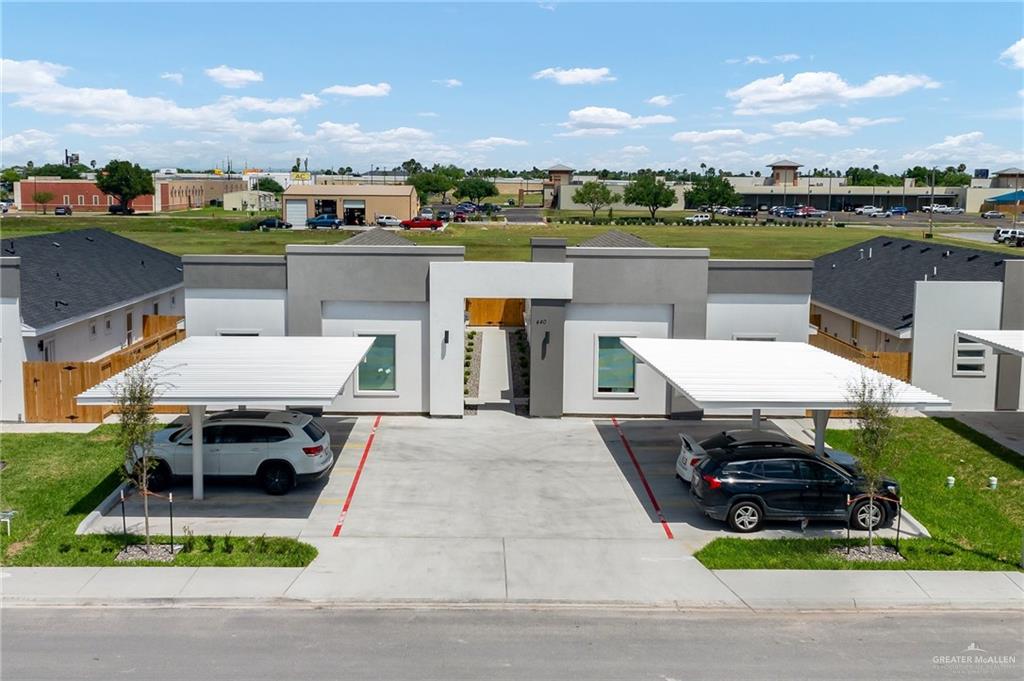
643	479
355	479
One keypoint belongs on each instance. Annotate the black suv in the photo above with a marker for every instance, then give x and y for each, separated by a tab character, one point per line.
748	481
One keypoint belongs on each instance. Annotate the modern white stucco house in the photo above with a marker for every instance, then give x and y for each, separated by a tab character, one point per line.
77	296
580	300
898	295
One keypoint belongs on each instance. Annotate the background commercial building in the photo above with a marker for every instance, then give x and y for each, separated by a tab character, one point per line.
251	200
171	193
359	204
580	300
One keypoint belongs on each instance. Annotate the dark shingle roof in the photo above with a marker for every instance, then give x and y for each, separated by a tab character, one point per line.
880	288
377	237
616	239
92	269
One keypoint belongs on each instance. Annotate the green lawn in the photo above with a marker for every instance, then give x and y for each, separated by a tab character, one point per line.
183	233
972	527
54	480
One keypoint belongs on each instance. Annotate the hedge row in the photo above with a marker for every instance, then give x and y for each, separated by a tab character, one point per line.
680	222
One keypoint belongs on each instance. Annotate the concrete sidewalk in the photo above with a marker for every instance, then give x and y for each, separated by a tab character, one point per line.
376	581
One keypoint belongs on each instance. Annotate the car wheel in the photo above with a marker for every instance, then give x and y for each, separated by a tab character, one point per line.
746	516
159	477
867	515
277	478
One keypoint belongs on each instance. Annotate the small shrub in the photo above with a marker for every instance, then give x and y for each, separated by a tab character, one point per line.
209	543
188	542
259	544
229	545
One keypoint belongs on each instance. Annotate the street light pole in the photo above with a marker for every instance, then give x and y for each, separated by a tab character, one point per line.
931	210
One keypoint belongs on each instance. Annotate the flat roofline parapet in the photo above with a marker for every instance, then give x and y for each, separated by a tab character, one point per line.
219	259
646	252
761	264
411	249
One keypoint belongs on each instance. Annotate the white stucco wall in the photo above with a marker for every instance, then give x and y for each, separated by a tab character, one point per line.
77	343
12	354
940	308
211	312
450	284
408	322
583	325
782	315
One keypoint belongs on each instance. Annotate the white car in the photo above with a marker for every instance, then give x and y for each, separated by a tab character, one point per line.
953	210
992	215
690	454
388	221
279	448
879	213
699	218
866	210
1007	234
427	213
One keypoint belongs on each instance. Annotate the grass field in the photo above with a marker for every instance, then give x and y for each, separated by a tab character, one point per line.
218	233
972	527
54	480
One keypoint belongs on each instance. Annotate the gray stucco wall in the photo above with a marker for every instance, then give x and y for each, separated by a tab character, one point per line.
356	273
547	350
672	276
1008	372
10	277
234	271
760	276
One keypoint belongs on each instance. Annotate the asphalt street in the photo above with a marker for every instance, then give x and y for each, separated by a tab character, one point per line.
287	643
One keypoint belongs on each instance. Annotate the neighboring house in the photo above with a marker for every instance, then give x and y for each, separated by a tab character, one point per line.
899	295
579	301
77	296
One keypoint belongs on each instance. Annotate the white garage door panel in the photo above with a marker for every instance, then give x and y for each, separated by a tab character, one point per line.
295	213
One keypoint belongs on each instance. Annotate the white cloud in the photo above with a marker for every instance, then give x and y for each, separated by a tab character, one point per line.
603	121
757	59
30	75
576	76
634	150
824	127
661	100
1013	55
449	82
233	78
968	147
363	90
811	89
488	143
283	105
720	136
547	6
27	142
177	78
428	114
105	129
397	141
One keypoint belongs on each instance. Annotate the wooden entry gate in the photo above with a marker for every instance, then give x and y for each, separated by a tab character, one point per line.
496	311
51	387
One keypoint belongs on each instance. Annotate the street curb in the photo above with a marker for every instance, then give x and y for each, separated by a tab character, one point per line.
108	503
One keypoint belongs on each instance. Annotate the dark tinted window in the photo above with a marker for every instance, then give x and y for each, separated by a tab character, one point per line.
212	434
811	470
314	431
780	469
716	441
243	434
740	469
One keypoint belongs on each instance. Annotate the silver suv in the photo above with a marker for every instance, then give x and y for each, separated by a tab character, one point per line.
279	448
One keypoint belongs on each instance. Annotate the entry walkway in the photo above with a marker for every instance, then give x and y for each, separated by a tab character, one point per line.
495	372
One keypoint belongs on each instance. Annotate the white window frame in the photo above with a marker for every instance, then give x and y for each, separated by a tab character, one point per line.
755	336
107	326
598	395
979	362
377	331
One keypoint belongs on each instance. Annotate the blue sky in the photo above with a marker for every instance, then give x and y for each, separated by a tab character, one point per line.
516	85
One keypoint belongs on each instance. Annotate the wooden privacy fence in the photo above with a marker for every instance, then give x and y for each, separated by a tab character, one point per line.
495	311
51	387
895	364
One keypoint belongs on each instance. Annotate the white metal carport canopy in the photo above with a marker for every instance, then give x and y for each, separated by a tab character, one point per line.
1009	342
226	371
721	374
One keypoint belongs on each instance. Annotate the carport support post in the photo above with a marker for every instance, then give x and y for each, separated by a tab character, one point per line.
820	423
756	419
195	412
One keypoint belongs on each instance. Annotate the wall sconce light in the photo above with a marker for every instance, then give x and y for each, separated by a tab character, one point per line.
446	337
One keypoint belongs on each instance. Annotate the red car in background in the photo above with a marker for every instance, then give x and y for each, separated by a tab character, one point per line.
460	216
421	223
